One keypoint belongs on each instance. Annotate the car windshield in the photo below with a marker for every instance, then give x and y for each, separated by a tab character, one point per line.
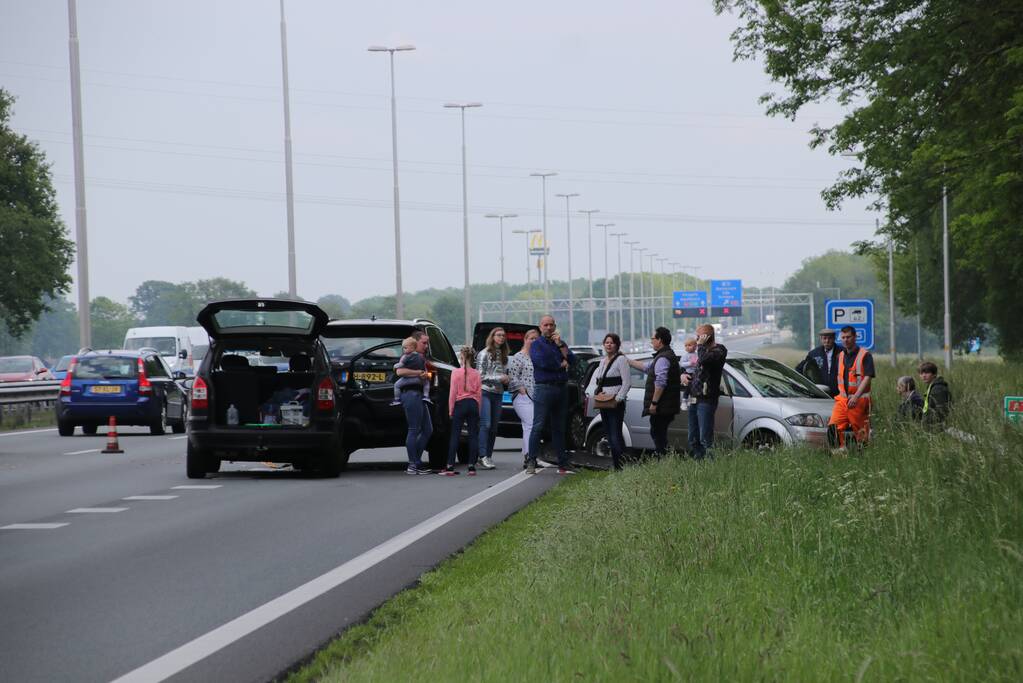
349	347
771	378
166	346
15	365
106	367
199	351
63	363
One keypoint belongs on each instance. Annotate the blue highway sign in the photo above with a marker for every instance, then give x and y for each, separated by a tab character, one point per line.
857	313
726	298
690	304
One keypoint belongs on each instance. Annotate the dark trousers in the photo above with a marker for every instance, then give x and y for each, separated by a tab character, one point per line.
612	419
420	425
701	428
466	411
550	402
659	433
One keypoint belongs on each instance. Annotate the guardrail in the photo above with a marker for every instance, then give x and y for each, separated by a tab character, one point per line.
45	391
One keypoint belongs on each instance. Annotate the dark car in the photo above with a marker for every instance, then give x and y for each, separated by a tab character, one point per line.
264	390
510	427
134	387
363	354
23	369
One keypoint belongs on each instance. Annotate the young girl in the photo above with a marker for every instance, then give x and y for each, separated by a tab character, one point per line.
464	399
520	371
492	362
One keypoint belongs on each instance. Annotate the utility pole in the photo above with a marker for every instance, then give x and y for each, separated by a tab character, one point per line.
632	293
568	250
607	309
589	256
621	310
462	106
81	233
289	184
500	237
948	307
546	256
891	295
642	310
919	345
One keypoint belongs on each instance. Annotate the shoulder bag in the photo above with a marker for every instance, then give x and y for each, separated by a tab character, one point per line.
611	403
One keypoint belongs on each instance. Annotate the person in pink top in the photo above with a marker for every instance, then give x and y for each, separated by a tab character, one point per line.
464	399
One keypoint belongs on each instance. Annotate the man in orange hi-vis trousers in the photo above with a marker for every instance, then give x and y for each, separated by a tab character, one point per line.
852	405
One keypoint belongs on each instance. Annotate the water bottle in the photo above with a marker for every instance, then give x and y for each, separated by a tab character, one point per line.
232	415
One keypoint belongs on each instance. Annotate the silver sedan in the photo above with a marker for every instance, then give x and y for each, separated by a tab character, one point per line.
763	404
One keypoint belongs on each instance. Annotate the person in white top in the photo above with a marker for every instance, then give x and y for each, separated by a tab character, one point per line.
612	387
520	370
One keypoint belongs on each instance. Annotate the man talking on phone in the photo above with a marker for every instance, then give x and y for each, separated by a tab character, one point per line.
704	390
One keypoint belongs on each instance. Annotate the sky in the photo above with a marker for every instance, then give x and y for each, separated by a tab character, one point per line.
638	107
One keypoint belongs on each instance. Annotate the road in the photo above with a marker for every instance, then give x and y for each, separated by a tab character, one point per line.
110	562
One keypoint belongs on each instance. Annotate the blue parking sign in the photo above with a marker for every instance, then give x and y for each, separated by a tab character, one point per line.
856	313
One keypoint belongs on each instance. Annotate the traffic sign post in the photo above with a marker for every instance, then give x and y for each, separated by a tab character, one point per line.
726	298
1014	409
689	304
855	313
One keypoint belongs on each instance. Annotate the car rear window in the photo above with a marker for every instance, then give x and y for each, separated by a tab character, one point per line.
298	321
165	346
107	367
16	365
63	363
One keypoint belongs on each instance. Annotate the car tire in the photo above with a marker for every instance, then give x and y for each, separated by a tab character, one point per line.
198	462
179	426
575	433
333	459
159	426
762	440
89	429
65	428
597	444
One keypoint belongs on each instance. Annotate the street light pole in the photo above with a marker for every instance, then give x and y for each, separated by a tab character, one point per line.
543	184
500	237
462	106
607	310
81	233
621	323
664	290
589	255
891	297
919	346
652	256
632	292
527	233
944	248
568	250
289	185
399	303
642	312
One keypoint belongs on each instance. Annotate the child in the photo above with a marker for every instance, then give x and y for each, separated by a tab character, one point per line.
912	406
464	400
412	360
688	362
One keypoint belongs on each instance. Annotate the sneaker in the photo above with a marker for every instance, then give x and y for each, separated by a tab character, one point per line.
424	469
565	470
471	472
449	472
395	402
411	469
486	463
531	467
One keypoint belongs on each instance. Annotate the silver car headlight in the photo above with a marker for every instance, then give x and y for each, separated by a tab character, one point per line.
806	420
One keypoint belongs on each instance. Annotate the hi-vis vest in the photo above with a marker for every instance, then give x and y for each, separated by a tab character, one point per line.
855	377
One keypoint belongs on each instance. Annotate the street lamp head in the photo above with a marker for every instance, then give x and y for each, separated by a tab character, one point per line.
589	211
566	196
378	48
459	105
381	48
545	174
404	48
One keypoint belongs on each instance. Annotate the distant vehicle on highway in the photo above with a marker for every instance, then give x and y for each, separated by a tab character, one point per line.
135	387
59	369
200	345
245	408
23	369
173	343
763	404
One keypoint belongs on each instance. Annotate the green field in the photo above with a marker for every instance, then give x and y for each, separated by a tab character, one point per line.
902	562
23	418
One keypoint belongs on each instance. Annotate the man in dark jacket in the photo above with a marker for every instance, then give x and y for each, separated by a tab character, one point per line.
662	400
821	365
937	397
704	391
551	359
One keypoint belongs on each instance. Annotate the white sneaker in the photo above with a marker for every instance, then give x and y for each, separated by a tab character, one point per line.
487	463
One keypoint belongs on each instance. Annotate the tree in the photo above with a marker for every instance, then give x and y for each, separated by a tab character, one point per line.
935	90
449	313
219	288
35	253
335	305
164	303
110	320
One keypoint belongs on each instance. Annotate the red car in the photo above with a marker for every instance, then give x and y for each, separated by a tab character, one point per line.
23	369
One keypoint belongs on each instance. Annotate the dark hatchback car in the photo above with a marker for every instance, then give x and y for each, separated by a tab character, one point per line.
363	354
134	387
264	390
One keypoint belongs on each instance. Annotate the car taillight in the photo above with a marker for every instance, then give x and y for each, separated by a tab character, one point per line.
325	395
65	384
200	396
145	386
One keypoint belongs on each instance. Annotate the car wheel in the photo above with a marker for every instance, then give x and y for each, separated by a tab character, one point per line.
598	446
89	429
333	459
762	440
576	432
198	462
179	427
65	428
159	426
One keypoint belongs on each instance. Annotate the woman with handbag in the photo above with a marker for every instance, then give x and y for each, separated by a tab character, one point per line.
613	384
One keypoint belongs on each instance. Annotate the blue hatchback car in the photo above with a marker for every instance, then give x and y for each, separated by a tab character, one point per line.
134	387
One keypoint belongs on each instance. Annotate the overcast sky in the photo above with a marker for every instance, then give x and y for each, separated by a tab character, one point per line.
638	107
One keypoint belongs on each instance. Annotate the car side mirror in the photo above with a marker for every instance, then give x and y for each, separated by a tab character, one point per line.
41	371
188	383
183	354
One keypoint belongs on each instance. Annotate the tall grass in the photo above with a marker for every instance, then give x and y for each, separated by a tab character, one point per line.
904	561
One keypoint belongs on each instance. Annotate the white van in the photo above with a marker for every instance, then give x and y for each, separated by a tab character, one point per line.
173	343
200	345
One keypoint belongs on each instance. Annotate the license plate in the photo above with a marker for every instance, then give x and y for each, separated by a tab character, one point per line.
105	389
371	376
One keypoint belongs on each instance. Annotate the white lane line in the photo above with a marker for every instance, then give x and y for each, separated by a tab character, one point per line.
90	511
150	498
192	487
55	525
188	654
89	450
31	431
176	438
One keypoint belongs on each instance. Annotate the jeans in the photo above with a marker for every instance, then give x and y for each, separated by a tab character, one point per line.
524	409
550	402
467	411
612	419
701	428
420	425
490	418
659	433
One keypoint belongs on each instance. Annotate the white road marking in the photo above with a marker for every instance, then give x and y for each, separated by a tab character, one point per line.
89	450
190	487
188	654
149	498
55	525
177	438
31	431
89	511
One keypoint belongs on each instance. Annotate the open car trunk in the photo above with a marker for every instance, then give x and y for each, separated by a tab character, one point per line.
263	395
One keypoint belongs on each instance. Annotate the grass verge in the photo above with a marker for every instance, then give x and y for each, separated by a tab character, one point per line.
902	562
27	419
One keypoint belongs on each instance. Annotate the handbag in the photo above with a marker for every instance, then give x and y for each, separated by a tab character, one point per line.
607	404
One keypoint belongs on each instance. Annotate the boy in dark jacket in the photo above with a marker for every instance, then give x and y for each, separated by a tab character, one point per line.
912	406
937	397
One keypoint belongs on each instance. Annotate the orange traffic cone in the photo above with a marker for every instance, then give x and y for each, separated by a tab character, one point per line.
112	445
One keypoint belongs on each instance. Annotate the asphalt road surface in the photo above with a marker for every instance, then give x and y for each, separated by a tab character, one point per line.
118	566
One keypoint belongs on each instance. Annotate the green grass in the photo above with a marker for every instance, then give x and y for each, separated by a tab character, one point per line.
24	419
903	562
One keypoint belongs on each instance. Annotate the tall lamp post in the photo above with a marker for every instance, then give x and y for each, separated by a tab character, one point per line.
618	237
527	233
399	297
500	237
81	236
651	256
289	185
664	289
543	176
632	292
462	106
589	254
607	310
642	311
568	250
944	251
